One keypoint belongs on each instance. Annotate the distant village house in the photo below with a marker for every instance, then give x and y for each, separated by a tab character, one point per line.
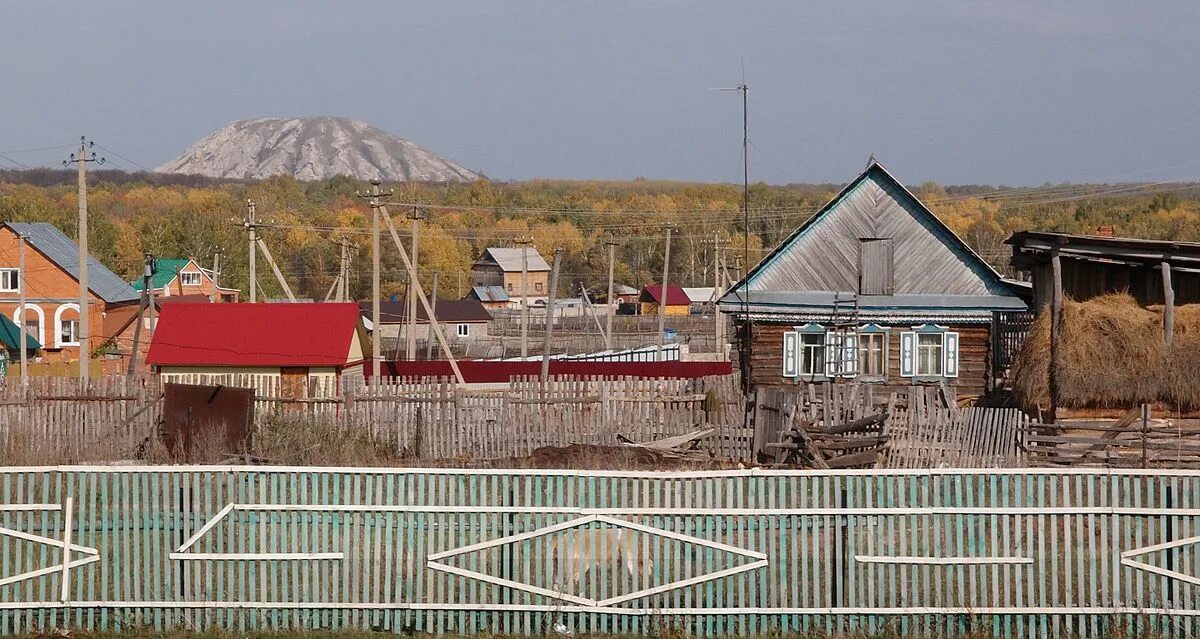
503	267
185	276
285	346
675	302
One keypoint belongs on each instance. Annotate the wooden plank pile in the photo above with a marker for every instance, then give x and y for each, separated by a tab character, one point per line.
839	426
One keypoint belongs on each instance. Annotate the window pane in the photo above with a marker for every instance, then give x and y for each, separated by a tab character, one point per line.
870	354
929	354
812	354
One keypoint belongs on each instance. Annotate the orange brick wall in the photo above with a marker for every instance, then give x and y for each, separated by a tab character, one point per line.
49	288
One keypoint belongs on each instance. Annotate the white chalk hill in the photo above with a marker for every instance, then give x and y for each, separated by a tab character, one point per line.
315	148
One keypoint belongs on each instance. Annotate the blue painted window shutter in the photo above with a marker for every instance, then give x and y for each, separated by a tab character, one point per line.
908	346
951	351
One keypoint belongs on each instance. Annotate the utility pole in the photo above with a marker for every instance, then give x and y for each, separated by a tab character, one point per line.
147	302
587	305
216	278
524	242
410	351
662	300
373	200
344	277
421	296
745	292
550	314
21	333
84	336
433	303
252	232
612	255
719	326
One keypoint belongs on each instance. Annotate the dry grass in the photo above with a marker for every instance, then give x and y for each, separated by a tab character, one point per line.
1112	354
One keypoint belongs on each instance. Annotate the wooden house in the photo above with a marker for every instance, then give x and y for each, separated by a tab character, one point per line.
51	284
503	267
674	302
185	276
277	345
872	288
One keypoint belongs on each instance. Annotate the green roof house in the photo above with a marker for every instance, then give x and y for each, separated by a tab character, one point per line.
184	276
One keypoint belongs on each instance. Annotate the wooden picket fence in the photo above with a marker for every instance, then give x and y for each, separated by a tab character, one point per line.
55	419
1042	553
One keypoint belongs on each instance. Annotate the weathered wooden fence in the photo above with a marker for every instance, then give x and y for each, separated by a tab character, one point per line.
56	419
1139	439
1037	553
922	428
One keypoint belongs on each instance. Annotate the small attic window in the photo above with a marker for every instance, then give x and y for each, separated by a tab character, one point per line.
876	270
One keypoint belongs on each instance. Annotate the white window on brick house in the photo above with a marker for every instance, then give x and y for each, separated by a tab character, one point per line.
189	278
929	352
10	280
463	330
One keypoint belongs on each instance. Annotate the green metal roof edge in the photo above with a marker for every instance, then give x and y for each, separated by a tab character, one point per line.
168	268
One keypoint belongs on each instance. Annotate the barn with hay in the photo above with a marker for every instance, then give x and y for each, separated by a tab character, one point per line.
1118	323
872	288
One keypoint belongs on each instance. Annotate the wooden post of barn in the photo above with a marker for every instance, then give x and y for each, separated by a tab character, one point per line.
1056	301
1168	305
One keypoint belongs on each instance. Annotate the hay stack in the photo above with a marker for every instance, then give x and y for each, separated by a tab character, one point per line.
1112	355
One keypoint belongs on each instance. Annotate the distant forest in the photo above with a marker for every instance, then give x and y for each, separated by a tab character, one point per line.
181	216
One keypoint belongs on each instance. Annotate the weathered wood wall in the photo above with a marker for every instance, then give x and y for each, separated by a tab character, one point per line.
766	358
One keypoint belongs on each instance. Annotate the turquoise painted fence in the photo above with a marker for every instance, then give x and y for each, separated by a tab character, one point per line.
1018	552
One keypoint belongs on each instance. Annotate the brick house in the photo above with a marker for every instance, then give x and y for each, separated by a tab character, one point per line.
52	291
185	276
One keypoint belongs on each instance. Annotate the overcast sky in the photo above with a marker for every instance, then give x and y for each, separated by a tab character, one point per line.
959	92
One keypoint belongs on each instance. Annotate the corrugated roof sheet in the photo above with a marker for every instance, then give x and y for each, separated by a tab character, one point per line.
490	293
675	295
313	334
509	259
701	294
168	268
51	242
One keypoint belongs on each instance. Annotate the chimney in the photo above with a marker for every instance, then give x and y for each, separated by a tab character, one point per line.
1106	230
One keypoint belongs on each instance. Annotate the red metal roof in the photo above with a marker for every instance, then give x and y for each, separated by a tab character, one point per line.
675	295
302	334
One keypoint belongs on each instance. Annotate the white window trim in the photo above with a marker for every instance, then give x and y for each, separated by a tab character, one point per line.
801	349
463	330
19	321
910	351
20	279
199	278
58	313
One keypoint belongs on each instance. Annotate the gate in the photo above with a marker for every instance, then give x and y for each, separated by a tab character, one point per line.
1018	552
